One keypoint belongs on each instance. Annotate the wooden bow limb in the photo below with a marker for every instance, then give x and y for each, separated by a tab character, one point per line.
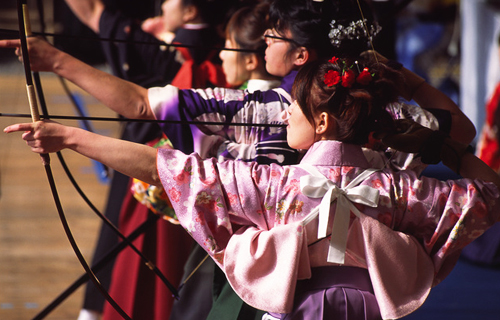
24	31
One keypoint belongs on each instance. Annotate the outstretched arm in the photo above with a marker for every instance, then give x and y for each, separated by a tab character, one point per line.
123	97
132	159
87	11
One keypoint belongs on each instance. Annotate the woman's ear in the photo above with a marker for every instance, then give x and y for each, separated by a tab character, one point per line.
190	14
325	126
251	62
302	56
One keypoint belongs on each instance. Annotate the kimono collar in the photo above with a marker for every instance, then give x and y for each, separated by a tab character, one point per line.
195	26
287	81
335	153
253	85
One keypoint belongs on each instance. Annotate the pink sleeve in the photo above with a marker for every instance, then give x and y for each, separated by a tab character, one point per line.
263	266
210	198
431	222
401	271
444	216
467	208
231	214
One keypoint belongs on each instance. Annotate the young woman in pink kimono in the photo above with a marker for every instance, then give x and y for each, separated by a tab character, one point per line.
331	237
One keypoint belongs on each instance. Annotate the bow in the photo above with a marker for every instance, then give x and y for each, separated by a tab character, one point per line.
43	106
317	185
24	31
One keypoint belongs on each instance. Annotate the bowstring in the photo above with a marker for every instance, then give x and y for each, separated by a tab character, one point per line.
366	30
115	40
392	154
178	122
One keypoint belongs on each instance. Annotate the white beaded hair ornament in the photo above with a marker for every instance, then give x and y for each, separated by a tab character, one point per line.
354	30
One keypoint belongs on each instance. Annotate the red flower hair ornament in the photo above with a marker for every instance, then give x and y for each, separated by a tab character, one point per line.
364	77
333	60
348	77
332	78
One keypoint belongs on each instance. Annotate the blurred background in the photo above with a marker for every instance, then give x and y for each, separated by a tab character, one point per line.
452	44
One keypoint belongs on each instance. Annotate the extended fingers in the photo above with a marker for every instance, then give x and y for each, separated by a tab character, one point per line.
10	43
14	44
19	127
38	135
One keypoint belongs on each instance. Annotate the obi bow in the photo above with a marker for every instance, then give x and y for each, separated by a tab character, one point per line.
317	185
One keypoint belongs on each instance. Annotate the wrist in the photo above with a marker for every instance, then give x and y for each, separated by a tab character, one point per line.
412	83
59	62
431	150
452	153
71	137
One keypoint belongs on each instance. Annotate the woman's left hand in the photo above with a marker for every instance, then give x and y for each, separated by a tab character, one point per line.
42	136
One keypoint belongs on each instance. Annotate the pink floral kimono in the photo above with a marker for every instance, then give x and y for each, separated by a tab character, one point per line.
270	227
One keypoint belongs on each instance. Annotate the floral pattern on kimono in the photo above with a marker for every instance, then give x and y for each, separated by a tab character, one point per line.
217	201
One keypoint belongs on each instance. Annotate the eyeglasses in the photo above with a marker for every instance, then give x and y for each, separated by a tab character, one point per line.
270	38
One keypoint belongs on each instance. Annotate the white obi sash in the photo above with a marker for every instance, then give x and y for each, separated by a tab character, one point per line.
317	185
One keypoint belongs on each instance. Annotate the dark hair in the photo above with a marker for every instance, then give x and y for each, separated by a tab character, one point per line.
358	110
212	12
246	27
309	22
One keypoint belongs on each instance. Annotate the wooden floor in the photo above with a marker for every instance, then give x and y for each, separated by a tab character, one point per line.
36	259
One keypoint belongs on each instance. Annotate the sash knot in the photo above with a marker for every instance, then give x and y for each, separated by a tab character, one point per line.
317	185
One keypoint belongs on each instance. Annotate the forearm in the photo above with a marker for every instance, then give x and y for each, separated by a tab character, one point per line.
455	156
87	11
123	97
462	129
132	159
